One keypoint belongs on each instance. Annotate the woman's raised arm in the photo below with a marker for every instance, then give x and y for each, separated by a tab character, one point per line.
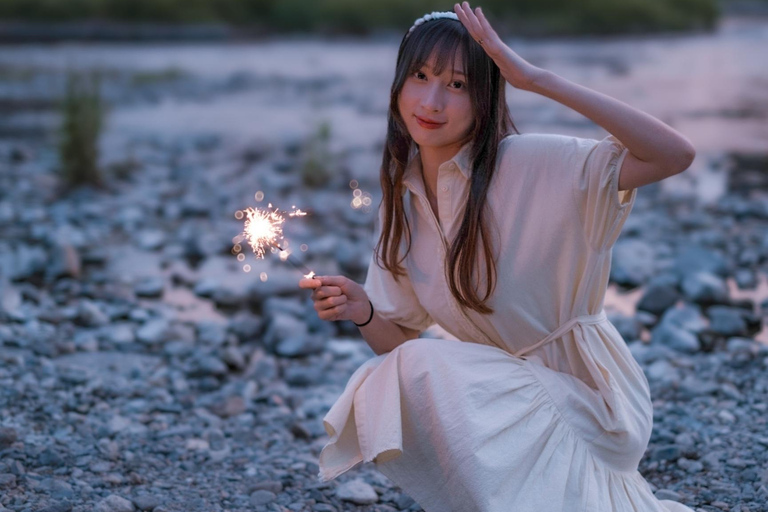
656	151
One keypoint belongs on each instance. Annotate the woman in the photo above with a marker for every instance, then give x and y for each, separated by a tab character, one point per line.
505	241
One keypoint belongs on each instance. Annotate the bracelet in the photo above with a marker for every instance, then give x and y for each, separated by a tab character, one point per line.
369	318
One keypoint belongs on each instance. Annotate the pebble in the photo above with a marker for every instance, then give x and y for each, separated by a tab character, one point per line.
262	497
114	503
357	491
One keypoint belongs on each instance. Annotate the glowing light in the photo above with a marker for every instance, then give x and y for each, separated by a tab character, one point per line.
259	196
247	267
239	214
360	199
263	276
263	229
310	275
303	247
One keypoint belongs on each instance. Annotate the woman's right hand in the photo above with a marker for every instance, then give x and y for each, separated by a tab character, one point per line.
338	298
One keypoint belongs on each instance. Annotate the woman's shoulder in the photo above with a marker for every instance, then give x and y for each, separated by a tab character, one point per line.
541	140
546	148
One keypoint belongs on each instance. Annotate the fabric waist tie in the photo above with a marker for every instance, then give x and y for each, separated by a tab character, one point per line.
564	328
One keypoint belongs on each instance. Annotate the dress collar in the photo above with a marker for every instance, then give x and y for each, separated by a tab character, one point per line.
412	176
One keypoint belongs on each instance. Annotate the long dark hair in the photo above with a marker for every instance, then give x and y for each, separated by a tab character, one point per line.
443	38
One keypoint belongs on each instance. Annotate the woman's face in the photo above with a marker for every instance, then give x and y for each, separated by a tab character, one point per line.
437	109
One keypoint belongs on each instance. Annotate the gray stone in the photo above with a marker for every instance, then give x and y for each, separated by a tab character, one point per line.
687	317
267	485
49	457
8	436
303	376
262	497
89	314
705	288
745	279
667	494
211	333
119	333
151	240
153	332
7	481
658	298
58	489
666	452
207	365
149	287
728	321
282	326
632	262
662	370
233	357
146	502
726	416
358	492
743	345
62	506
114	503
299	346
695	259
676	338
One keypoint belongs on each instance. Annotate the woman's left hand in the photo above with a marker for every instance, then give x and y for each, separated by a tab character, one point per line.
515	70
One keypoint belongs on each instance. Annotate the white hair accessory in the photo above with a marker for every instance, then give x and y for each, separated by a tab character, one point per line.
433	16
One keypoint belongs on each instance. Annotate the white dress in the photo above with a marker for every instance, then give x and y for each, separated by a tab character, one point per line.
541	405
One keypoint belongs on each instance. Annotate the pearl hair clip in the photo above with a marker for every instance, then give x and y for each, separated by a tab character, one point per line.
433	16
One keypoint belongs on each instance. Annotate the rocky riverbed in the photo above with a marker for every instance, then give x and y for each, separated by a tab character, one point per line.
142	368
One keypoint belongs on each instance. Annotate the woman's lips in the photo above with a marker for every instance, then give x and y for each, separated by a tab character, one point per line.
429	125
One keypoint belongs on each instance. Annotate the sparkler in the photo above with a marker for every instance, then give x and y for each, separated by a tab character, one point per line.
263	231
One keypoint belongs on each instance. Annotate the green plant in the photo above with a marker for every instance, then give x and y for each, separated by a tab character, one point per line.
83	114
315	168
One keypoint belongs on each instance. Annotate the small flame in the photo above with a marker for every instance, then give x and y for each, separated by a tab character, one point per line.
310	275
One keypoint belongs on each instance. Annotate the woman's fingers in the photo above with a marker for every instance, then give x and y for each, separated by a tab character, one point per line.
330	302
309	283
333	313
326	291
470	20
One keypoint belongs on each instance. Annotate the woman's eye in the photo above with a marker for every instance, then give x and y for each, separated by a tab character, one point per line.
420	75
457	85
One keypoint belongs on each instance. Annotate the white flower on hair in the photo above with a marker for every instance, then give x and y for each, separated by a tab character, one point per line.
433	16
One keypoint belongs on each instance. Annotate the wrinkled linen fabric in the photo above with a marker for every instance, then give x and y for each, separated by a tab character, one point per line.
537	406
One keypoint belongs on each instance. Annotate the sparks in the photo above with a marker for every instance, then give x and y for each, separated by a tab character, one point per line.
263	229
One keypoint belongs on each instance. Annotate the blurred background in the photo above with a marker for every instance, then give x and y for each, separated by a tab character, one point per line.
150	362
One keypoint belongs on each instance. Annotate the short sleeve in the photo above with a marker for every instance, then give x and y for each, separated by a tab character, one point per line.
603	208
395	300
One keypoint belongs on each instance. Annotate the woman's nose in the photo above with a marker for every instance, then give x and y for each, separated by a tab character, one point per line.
433	99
